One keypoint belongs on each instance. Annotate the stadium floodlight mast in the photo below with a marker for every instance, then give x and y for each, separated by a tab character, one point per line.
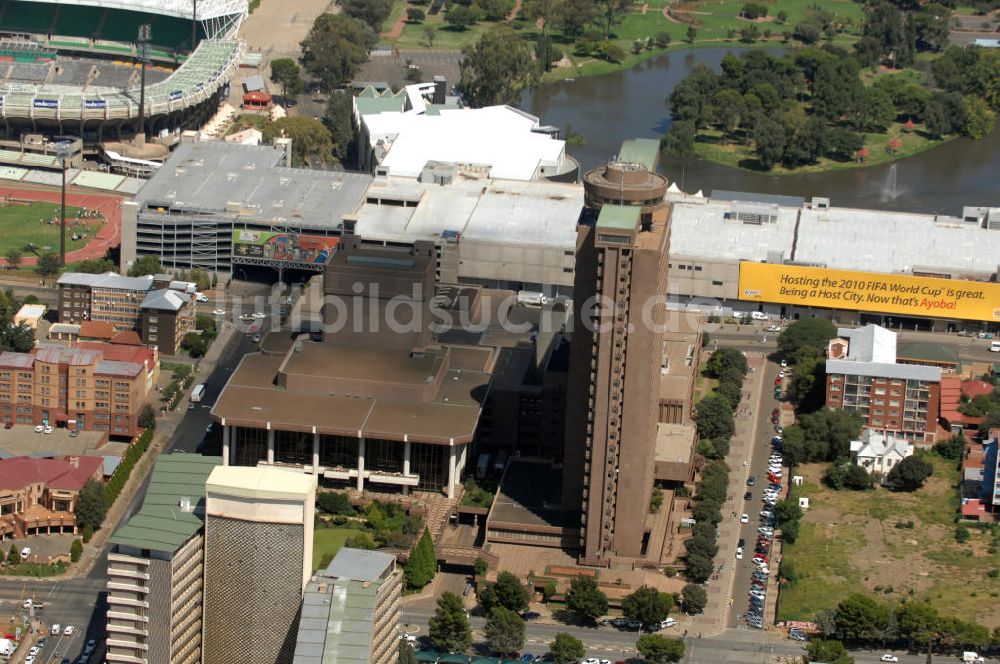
64	149
194	23
142	42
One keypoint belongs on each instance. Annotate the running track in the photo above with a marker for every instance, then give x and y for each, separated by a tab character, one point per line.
109	235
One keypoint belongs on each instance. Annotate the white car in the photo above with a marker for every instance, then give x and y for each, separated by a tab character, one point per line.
25	552
739	553
69	630
48	429
27	604
784	364
219	312
591	660
39	428
409	638
30	659
889	658
201	297
33	651
247	318
56	629
744	518
259	314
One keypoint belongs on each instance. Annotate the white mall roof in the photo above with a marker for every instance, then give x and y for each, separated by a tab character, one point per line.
700	230
179	8
504	212
498	137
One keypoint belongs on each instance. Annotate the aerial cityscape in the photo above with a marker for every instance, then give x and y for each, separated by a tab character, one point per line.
483	331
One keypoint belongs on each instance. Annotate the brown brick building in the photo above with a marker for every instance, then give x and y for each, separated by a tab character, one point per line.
90	386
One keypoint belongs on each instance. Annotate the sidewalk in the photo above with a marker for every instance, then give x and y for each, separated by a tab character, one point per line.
165	427
720	588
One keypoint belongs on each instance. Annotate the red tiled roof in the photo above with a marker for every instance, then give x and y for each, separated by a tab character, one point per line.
120	352
127	338
974	388
96	329
18	472
973	507
952	389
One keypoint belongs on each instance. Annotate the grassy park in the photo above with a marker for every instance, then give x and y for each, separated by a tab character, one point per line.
898	546
21	225
328	541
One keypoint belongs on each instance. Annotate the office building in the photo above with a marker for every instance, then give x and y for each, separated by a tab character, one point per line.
375	401
863	377
91	386
258	559
351	611
159	309
155	568
628	179
613	399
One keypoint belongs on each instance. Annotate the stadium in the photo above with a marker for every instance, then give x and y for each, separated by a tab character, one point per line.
71	68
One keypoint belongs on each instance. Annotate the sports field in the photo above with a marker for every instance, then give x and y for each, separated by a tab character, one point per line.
37	224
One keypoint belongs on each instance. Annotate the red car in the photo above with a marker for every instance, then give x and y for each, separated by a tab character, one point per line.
777	381
774	478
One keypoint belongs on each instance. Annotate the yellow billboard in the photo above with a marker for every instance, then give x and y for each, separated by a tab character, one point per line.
869	291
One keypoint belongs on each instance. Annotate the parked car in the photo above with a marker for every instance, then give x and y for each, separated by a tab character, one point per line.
888	658
751	481
68	631
531	615
748	495
744	518
25	552
739	553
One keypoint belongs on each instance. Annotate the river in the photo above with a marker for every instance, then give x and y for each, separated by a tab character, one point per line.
607	109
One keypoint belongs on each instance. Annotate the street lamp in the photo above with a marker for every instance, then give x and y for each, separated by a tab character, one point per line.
64	149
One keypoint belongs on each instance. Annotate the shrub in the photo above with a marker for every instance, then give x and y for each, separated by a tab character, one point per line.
415	14
75	550
961	534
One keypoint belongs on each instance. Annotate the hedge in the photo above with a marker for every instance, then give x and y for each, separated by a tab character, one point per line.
124	469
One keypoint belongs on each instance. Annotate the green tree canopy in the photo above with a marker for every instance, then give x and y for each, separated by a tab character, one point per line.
406	654
714	417
422	563
585	599
695	598
909	474
145	265
828	652
448	629
658	649
286	73
725	361
679	140
497	68
13	257
805	337
507	592
648	605
147	417
13	556
504	631
310	138
861	618
336	46
48	264
460	16
91	505
371	12
566	649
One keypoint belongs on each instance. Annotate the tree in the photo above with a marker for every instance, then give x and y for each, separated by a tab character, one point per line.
860	618
147	417
310	137
658	649
566	649
339	120
574	15
679	140
145	265
808	387
714	417
13	556
19	338
770	138
430	33
497	68
695	598
692	34
504	631
545	11
448	629
406	654
807	32
980	118
805	337
336	46
874	111
847	476
335	502
585	599
75	550
460	16
509	593
371	12
13	258
828	652
48	264
952	448
421	566
415	15
286	73
909	474
647	605
726	360
611	13
91	504
494	10
480	567
195	344
753	10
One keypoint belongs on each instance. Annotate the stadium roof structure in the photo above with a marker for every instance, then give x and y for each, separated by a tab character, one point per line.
206	9
209	67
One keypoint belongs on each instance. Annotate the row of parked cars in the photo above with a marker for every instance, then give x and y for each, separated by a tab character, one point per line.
761	574
635	625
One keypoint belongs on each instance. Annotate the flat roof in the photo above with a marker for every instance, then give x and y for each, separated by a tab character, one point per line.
161	524
753	197
531	494
924	350
21	439
211	176
336	621
645	151
358	565
110	280
618	217
475	208
674	442
263	482
884	370
701	230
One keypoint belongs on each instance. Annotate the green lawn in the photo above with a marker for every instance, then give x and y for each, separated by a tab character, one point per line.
849	543
19	226
328	541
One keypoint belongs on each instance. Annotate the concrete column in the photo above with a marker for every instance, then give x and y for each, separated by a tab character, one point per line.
361	464
270	446
452	459
406	465
316	453
462	461
225	445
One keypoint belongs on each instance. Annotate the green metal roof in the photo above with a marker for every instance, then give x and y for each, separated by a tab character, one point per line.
645	151
923	350
370	101
161	525
618	217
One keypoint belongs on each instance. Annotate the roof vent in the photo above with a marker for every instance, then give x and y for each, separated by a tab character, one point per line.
185	504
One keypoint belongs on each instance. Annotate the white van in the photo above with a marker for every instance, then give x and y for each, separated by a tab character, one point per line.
759	315
198	393
995	346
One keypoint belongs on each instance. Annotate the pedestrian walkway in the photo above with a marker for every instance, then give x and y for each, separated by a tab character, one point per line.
720	586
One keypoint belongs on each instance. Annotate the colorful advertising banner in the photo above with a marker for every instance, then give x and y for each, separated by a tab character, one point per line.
290	247
869	291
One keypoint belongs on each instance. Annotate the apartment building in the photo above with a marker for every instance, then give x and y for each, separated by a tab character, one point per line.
258	560
351	611
91	386
614	396
128	304
155	568
863	377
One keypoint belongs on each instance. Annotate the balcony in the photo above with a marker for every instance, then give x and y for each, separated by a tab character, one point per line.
128	601
115	658
132	560
131	645
118	615
126	587
128	573
130	630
